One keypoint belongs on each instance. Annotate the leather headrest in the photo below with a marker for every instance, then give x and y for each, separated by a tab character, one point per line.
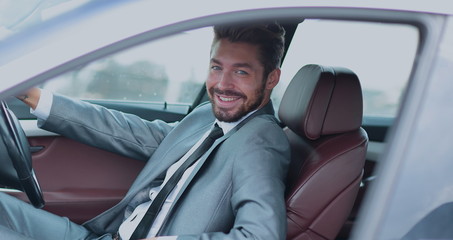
322	100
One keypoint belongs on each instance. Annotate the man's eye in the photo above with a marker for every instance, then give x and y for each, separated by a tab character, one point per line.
215	68
241	72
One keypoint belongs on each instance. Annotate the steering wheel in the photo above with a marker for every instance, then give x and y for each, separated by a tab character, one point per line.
15	158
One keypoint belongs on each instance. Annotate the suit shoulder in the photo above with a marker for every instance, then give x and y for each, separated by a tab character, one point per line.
202	108
202	114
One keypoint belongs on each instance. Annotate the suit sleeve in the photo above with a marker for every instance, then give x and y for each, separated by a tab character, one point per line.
111	130
257	198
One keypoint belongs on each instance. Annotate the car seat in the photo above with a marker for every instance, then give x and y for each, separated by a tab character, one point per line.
321	111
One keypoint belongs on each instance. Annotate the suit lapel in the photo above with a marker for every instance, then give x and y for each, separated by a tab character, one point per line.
200	163
161	161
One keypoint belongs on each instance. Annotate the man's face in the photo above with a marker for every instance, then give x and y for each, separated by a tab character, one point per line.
235	84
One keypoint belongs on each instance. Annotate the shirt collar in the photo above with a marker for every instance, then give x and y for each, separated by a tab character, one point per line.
227	126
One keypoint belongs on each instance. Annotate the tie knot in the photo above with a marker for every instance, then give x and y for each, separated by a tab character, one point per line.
216	132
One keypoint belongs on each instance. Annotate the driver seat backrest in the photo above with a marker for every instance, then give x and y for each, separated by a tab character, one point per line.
322	114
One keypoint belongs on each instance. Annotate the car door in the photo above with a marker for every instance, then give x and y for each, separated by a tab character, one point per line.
79	181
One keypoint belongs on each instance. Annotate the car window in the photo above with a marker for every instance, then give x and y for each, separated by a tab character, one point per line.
17	16
380	54
170	70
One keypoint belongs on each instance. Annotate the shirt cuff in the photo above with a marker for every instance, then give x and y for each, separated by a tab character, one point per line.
42	110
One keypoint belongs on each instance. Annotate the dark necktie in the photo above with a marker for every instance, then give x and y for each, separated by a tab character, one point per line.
145	224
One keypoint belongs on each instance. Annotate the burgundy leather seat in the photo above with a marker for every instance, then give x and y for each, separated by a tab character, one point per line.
322	112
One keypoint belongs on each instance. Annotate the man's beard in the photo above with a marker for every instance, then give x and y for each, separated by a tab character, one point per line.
243	110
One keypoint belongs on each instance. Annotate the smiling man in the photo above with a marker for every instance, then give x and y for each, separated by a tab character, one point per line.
233	189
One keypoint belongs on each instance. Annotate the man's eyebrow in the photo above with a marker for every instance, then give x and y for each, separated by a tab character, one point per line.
243	65
215	61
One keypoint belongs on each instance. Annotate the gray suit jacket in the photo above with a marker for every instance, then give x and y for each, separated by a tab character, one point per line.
237	193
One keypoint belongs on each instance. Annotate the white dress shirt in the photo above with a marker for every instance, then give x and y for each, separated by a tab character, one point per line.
126	229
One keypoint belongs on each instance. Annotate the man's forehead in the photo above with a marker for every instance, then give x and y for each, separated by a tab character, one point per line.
235	53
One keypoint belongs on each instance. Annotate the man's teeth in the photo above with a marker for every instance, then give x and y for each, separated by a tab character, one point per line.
226	99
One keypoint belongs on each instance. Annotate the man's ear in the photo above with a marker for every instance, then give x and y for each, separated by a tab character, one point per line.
273	78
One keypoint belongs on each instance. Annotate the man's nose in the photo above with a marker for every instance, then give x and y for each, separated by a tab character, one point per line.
226	81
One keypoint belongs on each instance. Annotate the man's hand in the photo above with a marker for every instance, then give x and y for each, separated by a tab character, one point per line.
31	97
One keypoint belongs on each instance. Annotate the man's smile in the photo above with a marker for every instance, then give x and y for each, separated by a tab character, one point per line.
228	98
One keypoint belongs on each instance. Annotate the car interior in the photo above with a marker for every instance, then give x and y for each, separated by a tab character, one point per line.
334	150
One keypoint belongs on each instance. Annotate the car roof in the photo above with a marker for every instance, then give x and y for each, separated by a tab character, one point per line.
100	23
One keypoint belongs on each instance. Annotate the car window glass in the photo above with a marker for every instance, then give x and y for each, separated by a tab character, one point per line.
380	54
17	16
169	70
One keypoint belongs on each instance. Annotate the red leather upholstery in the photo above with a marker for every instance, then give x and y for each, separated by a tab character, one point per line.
322	112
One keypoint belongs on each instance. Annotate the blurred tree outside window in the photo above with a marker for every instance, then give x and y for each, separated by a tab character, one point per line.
170	70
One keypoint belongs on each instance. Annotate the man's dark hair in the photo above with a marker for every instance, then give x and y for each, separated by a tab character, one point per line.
269	37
